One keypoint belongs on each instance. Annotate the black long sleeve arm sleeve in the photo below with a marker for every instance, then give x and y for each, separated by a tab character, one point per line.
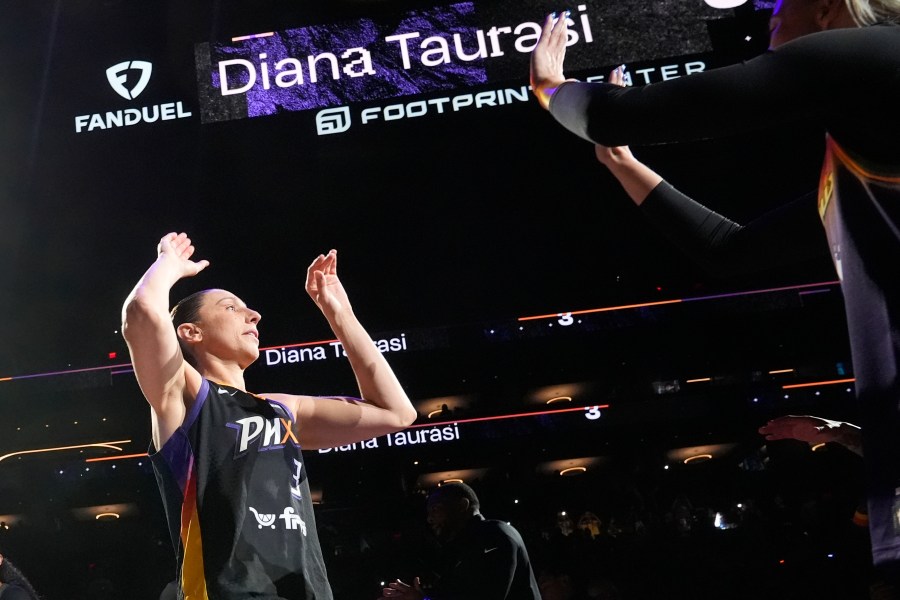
844	80
788	235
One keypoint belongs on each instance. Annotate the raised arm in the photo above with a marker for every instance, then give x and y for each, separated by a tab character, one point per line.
790	234
636	178
158	363
785	236
385	407
772	89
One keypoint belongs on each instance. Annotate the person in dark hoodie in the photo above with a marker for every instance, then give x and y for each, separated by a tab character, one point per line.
477	558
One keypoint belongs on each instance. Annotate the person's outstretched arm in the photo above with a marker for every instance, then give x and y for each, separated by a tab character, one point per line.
773	89
637	179
158	363
814	430
790	234
695	229
385	407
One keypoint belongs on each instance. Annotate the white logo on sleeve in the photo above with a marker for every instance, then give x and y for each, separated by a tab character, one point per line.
264	520
293	520
117	76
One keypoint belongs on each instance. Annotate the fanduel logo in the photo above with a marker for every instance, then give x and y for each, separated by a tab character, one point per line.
117	75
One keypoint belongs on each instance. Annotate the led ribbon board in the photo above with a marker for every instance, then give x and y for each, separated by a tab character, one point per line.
440	49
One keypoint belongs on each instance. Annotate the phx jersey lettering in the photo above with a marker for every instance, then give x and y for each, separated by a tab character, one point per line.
237	500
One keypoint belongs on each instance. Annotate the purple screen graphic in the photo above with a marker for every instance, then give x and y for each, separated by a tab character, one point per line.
379	68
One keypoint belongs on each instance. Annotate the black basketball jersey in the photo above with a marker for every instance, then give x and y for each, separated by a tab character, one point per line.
238	504
860	208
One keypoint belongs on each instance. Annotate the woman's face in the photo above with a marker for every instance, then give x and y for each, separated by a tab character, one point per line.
229	328
792	19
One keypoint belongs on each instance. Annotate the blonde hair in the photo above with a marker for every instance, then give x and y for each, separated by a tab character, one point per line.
869	12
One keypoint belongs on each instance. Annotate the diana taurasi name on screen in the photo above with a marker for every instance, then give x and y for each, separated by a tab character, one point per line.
407	437
285	355
436	50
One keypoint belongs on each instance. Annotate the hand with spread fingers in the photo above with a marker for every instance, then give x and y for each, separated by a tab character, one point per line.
548	57
178	249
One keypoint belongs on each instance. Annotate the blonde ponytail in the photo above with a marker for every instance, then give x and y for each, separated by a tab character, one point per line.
869	12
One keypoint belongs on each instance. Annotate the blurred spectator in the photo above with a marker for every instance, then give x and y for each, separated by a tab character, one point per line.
477	559
13	583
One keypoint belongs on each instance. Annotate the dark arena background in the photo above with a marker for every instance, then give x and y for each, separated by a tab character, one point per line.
600	390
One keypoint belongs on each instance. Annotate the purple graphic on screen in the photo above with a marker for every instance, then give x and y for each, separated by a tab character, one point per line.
336	64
